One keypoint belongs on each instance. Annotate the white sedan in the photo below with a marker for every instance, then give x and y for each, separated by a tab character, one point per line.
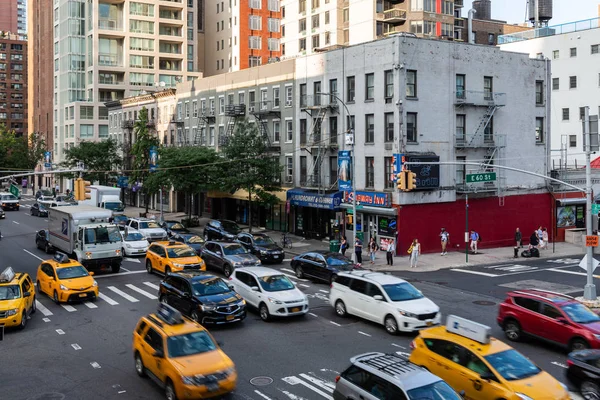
134	243
269	291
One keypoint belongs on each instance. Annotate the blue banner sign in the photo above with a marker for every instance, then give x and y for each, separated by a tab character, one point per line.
305	198
48	159
344	170
153	159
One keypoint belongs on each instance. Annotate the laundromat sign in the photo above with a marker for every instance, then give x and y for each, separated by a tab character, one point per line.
329	201
373	199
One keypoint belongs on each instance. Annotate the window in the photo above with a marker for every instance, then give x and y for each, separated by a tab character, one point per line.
317	93
460	86
369	128
389	127
315	21
555	54
388	172
411	127
273	44
326	17
333	170
255	22
276	131
550	311
211	136
303	131
350	89
302	6
594	49
572	82
565	114
539	130
530	304
289	131
195	109
460	127
555	83
86	112
86	131
302	25
333	91
573	51
302	44
273	24
289	169
327	38
316	4
303	170
447	7
276	101
273	5
346	15
581	113
369	86
288	96
488	132
411	83
303	99
333	130
369	172
488	87
221	105
491	39
572	140
187	109
316	41
539	92
254	42
255	4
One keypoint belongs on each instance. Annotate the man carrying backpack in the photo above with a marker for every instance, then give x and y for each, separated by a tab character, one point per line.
474	240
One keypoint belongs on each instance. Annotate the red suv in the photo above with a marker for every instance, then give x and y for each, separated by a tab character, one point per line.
554	317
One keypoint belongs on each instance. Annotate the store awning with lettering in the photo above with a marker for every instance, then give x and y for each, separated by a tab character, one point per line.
308	198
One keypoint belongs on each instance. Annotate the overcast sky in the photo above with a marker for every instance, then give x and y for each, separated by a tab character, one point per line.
514	11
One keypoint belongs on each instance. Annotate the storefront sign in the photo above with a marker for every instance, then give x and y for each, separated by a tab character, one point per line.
344	170
428	175
309	199
373	199
387	226
397	161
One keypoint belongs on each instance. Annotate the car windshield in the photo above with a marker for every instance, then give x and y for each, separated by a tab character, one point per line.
8	197
276	283
102	234
190	344
263	241
71	272
340	262
512	365
434	391
234	249
580	313
209	287
402	292
195	240
149	225
10	292
231	227
118	219
177	226
180	252
42	207
114	206
134	237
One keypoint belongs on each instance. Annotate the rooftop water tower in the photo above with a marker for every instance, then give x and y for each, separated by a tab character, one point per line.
540	12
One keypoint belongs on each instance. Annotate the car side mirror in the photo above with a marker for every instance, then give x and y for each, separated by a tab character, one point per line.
91	273
159	354
26	294
231	287
255	289
219	253
488	376
378	297
562	320
186	295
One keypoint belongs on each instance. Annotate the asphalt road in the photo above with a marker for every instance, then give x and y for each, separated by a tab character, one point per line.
83	351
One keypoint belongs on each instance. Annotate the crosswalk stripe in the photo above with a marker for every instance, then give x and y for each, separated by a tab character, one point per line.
152	285
123	294
293	380
107	299
89	305
287	270
319	382
290	276
68	307
43	309
142	292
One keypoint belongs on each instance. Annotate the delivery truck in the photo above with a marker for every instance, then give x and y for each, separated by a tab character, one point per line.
85	234
105	197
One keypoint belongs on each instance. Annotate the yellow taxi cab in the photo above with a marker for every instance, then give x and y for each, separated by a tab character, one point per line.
481	367
17	298
181	356
66	280
165	257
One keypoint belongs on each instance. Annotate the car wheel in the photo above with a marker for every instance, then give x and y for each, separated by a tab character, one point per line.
39	288
167	270
37	244
512	330
195	316
332	278
170	391
163	300
589	390
139	365
206	239
299	272
55	297
391	325
33	306
149	266
123	252
340	308
263	311
47	248
227	270
23	323
578	344
116	267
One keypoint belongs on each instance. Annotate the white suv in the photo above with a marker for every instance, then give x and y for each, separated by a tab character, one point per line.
149	228
385	299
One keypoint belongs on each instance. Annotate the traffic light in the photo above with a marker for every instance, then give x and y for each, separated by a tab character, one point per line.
401	181
411	182
82	189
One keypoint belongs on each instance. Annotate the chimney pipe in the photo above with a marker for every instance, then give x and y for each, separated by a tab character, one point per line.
470	26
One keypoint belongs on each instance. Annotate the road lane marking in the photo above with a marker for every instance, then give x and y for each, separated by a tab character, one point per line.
30	253
152	285
89	304
292	380
324	291
76	346
288	270
43	309
107	299
60	331
571	272
397	345
133	260
125	269
120	273
262	395
15	222
290	276
142	292
95	365
334	323
559	364
46	319
314	315
362	333
467	271
123	294
319	382
303	285
287	259
68	307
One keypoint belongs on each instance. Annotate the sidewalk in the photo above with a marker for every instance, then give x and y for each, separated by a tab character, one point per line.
427	262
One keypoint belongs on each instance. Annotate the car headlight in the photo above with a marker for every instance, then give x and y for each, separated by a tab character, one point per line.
523	396
236	263
274	300
63	287
258	262
407	314
188	380
564	386
12	312
264	252
178	265
229	371
597	337
208	307
128	245
95	283
242	303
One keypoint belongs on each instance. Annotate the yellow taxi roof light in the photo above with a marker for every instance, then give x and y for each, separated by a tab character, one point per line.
169	315
469	329
7	275
61	258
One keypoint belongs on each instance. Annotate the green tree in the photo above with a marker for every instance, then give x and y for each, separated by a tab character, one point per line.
251	168
26	152
140	153
99	158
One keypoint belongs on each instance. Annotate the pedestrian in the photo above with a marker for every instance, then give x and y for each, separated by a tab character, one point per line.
445	238
474	240
344	245
358	251
414	255
533	240
389	253
518	238
373	249
545	237
57	188
540	235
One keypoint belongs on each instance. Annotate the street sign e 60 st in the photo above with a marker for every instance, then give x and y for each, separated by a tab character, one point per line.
482	177
14	190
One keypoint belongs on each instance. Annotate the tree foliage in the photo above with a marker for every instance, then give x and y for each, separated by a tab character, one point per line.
20	152
98	157
140	153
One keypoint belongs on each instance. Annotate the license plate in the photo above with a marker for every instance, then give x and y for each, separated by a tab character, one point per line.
429	323
277	256
211	387
229	317
83	295
295	309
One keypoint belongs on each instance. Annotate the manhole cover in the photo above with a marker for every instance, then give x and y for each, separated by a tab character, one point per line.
48	396
484	303
261	381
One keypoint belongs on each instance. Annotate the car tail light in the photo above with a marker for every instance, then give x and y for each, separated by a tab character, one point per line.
230	278
569	362
413	345
337	378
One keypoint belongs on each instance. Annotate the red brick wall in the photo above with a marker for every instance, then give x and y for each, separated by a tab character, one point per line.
8	15
245	32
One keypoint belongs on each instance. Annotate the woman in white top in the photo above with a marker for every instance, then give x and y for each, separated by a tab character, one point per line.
414	255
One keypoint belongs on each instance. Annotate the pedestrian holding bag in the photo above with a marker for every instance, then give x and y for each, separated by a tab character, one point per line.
410	249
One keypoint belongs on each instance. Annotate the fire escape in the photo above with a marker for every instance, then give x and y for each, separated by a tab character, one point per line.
317	145
482	143
262	111
205	118
127	126
234	112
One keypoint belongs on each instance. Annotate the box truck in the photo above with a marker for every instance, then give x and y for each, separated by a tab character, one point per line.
105	197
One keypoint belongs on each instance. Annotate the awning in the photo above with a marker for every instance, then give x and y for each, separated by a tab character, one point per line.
243	195
310	198
568	202
388	211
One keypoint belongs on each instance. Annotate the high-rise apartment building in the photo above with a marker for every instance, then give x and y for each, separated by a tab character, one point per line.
240	34
111	49
13	16
13	82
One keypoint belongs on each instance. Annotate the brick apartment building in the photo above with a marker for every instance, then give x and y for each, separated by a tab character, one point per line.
13	16
13	82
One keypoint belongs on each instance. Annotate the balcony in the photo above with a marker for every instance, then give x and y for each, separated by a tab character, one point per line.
311	182
127	124
459	23
164	65
263	108
170	48
475	98
170	14
110	24
169	31
473	140
109	60
458	4
235	110
394	16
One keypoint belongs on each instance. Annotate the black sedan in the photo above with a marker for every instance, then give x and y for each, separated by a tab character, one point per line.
321	265
38	210
221	229
583	372
262	246
42	240
191	239
120	220
168	223
205	298
176	229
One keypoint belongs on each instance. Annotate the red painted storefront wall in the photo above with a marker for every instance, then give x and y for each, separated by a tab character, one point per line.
496	224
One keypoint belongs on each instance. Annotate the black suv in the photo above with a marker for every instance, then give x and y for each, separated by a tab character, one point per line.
42	241
262	246
205	298
221	229
227	256
584	372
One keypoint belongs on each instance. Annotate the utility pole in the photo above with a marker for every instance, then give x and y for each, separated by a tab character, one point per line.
589	291
467	228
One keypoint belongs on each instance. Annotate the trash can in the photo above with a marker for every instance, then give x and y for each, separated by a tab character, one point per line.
334	245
